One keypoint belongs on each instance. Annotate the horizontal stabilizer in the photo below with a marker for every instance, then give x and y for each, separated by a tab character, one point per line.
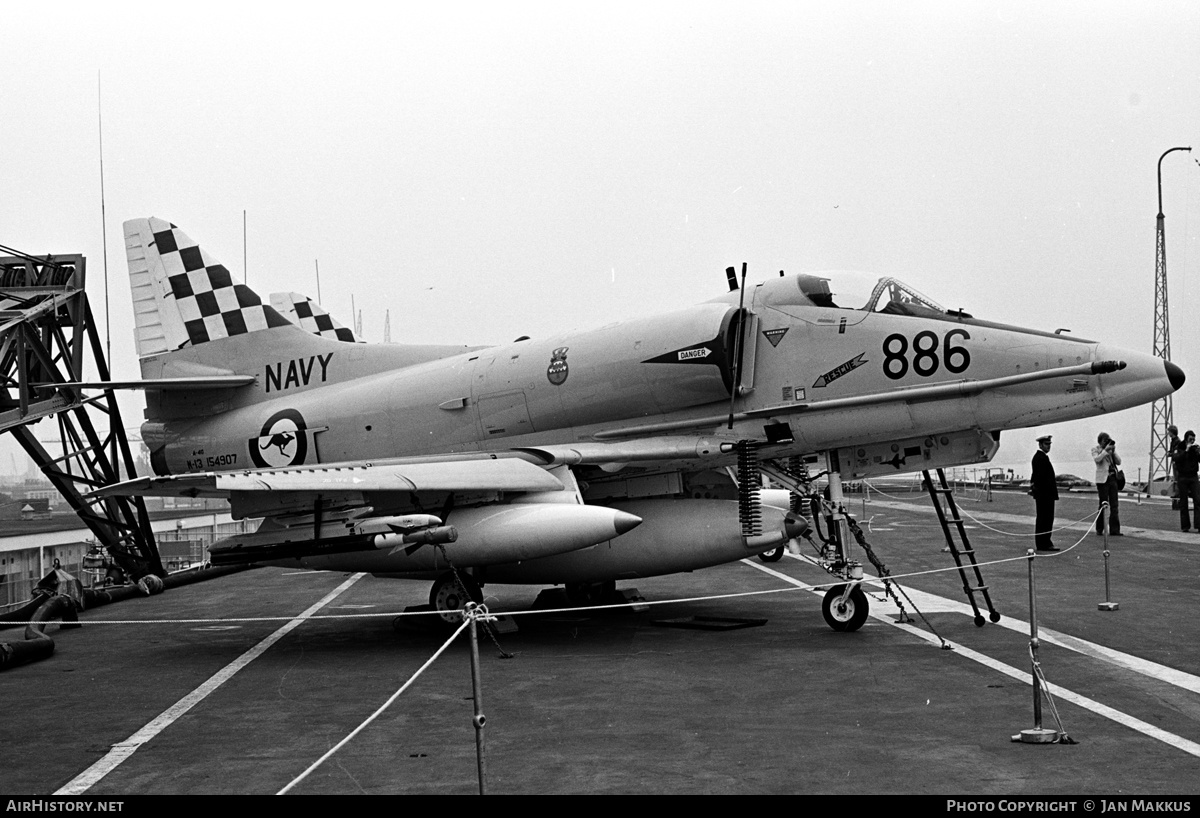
166	384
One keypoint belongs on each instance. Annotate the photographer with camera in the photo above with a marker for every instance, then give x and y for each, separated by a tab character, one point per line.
1104	453
1187	467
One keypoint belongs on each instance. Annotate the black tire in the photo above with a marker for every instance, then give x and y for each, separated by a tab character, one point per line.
849	617
448	595
590	593
773	556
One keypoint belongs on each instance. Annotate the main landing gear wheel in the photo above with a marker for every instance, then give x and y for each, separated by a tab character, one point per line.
773	556
847	617
448	596
590	593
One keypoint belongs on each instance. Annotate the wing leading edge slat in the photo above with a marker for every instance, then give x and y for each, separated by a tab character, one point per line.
503	474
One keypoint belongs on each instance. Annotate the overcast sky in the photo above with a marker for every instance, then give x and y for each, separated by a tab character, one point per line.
485	171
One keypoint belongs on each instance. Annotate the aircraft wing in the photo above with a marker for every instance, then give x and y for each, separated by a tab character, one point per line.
415	475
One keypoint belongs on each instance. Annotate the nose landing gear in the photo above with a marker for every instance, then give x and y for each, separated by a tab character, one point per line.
845	607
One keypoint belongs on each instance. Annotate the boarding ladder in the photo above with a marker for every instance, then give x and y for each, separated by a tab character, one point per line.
961	550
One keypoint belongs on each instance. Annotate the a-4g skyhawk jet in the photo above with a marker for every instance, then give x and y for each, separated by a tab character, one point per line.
632	450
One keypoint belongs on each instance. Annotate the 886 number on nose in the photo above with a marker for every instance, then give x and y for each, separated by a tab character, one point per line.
925	359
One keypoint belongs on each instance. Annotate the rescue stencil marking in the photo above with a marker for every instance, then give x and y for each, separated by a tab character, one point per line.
840	370
693	354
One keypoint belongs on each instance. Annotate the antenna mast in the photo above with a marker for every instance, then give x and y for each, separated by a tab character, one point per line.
1161	411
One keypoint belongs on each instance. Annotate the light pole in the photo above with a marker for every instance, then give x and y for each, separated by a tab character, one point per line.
1160	411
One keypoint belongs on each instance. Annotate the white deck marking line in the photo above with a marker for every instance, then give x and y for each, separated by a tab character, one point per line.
123	750
1058	691
1145	667
932	603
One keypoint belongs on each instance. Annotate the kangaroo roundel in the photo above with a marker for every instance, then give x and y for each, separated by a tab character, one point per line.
282	443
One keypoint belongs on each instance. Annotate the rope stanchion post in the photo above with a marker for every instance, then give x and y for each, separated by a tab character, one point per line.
474	614
1107	604
1038	734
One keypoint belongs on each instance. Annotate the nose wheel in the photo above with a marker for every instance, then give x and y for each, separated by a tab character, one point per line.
848	614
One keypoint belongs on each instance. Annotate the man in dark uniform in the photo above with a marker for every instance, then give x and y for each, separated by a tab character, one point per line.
1045	494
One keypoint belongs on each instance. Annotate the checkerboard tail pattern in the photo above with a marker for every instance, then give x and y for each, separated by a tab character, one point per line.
183	296
310	316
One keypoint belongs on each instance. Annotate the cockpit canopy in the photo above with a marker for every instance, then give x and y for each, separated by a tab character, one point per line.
849	291
855	296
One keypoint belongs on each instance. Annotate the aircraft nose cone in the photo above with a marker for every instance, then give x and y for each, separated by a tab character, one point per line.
1175	375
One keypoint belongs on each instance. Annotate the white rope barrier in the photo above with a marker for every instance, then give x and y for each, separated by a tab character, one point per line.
575	610
377	713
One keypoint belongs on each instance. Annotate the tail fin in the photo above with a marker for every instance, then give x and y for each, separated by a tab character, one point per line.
184	297
311	317
208	344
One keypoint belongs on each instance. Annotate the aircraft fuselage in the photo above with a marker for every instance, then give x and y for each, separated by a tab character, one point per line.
674	371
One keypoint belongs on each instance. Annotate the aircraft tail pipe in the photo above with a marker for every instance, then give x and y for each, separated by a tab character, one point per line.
749	482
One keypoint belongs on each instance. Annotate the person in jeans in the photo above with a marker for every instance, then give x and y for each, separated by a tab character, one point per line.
1104	453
